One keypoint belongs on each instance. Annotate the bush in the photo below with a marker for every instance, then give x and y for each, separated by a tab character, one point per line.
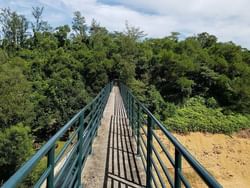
15	94
195	115
15	148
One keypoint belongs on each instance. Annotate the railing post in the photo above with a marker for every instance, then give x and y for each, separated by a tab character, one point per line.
126	99
132	115
51	163
80	149
129	107
102	99
127	102
149	151
177	168
92	113
138	128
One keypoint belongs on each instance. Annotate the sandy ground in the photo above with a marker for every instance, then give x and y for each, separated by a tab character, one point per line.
225	157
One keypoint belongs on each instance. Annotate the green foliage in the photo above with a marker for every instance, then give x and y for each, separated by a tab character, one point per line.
195	115
78	24
15	95
185	86
59	92
14	28
150	96
39	25
15	148
194	84
61	35
155	102
211	103
3	56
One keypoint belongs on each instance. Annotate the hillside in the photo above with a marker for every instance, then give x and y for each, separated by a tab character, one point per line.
226	157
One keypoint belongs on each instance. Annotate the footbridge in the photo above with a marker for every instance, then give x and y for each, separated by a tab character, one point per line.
114	141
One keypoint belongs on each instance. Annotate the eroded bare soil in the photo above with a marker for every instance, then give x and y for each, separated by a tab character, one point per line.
226	157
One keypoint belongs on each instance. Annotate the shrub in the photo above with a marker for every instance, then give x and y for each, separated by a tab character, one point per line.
196	116
15	148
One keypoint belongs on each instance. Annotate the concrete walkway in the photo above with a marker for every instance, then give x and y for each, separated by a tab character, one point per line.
113	162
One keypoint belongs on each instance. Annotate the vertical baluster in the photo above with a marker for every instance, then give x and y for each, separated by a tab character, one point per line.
91	126
51	163
138	128
149	151
129	107
99	110
132	115
104	101
80	148
127	101
177	167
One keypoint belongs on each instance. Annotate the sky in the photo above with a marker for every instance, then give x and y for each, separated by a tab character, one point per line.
229	20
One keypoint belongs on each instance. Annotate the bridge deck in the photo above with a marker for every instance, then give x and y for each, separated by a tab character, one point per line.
113	162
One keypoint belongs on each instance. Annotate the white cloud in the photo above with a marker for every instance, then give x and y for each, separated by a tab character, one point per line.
227	19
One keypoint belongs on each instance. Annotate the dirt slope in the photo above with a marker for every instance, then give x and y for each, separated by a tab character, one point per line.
226	157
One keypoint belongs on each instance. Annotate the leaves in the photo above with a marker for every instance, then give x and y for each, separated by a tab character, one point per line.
15	95
15	147
199	114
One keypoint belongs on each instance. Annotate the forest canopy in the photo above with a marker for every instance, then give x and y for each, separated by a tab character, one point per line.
48	73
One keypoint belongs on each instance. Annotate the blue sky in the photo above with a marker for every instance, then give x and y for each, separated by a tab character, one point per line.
227	19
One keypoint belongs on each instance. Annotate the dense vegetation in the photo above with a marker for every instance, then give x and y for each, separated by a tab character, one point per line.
47	74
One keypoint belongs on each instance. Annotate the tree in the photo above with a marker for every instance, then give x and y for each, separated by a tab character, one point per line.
15	148
24	25
14	27
206	40
94	27
174	36
99	38
78	24
61	35
37	13
39	25
135	33
15	96
59	92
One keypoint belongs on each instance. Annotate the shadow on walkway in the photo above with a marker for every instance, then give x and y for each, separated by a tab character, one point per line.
122	168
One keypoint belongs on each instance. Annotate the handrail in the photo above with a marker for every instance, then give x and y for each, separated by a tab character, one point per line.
132	104
76	155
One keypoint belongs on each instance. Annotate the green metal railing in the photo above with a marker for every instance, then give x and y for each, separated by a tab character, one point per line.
65	168
146	129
